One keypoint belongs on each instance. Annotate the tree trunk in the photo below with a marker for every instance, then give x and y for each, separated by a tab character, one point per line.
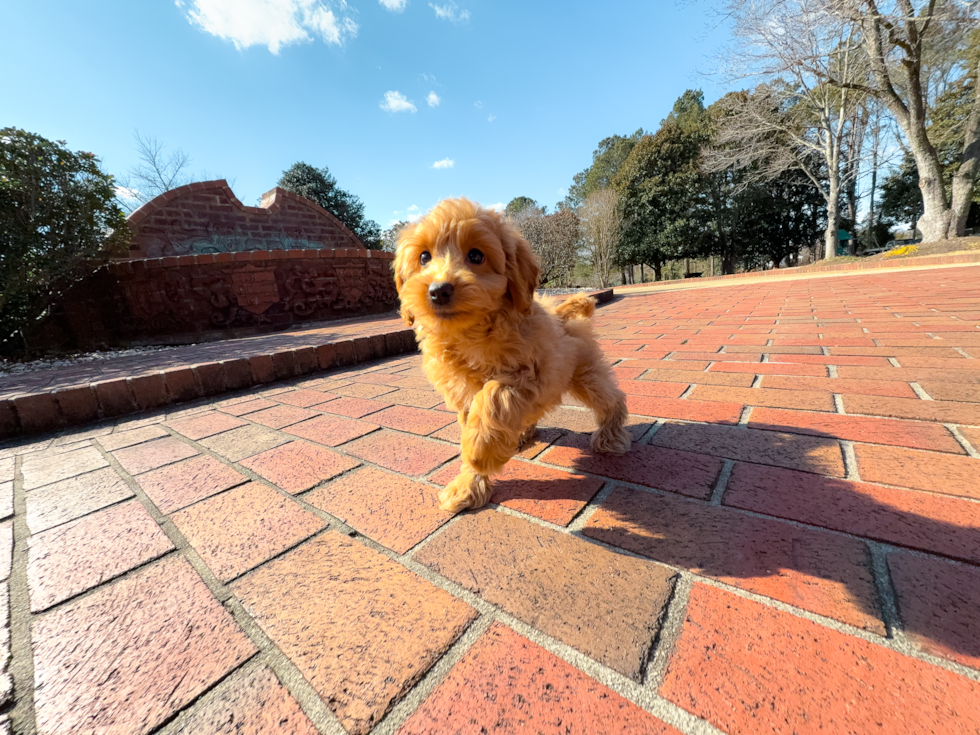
936	220
642	278
966	174
727	264
658	270
833	224
712	265
910	114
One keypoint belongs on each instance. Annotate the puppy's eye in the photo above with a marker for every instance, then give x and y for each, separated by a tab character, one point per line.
425	257
475	256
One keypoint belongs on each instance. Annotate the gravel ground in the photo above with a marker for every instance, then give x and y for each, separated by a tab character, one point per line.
563	291
9	367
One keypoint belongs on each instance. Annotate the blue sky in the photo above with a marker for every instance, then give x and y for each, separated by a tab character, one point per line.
406	101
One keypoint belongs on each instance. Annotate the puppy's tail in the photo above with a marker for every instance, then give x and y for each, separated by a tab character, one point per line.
578	306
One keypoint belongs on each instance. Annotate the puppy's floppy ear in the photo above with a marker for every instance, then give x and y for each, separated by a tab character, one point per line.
523	271
398	266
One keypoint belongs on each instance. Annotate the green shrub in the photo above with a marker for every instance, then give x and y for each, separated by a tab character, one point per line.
58	223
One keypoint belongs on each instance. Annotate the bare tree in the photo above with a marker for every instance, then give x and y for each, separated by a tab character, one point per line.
913	56
158	171
795	119
600	216
911	52
554	238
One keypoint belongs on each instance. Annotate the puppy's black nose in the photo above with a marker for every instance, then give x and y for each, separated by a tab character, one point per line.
440	293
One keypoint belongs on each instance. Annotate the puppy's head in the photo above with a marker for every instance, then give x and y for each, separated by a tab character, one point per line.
460	263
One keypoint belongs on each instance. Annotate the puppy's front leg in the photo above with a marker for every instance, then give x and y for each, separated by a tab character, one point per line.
490	435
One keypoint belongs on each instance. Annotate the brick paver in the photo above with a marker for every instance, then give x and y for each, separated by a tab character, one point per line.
792	543
77	556
505	683
243	527
606	605
746	667
820	572
254	703
131	655
178	485
63	501
299	465
394	511
361	628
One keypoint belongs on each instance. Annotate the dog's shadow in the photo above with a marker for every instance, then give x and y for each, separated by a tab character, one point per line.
814	529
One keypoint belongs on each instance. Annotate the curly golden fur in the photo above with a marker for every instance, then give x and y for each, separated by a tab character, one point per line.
500	356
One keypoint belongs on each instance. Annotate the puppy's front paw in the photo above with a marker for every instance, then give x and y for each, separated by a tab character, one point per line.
467	490
527	438
611	440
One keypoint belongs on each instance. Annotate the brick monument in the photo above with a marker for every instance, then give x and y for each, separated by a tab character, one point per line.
204	266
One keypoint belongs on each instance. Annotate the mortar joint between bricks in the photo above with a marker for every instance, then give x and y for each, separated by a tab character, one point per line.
743	419
415	697
671	624
964	442
20	665
850	461
920	392
887	598
722	483
582	518
651	432
838	402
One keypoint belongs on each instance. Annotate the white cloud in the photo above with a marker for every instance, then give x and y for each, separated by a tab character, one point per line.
395	6
450	12
444	163
478	105
498	207
396	102
124	192
411	214
272	23
433	99
491	118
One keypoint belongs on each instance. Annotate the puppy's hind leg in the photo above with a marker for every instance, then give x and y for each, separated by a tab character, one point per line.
595	386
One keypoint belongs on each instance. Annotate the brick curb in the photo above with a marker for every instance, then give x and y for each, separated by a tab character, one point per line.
925	261
38	413
41	412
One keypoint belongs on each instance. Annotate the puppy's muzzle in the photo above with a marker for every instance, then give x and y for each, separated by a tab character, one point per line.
440	293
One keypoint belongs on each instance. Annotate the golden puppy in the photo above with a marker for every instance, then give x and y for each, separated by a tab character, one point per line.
500	357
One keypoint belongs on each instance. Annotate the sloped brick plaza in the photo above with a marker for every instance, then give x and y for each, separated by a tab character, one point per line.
792	545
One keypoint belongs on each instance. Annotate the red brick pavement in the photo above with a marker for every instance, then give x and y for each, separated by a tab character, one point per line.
792	545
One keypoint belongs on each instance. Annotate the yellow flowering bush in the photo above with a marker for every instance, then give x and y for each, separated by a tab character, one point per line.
898	252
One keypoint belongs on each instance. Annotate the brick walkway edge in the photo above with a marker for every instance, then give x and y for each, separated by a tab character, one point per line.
925	261
38	411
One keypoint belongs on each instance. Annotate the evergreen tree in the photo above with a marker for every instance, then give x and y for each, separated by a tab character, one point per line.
318	185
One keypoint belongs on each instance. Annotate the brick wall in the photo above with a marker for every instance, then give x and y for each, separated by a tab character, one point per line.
206	218
196	298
